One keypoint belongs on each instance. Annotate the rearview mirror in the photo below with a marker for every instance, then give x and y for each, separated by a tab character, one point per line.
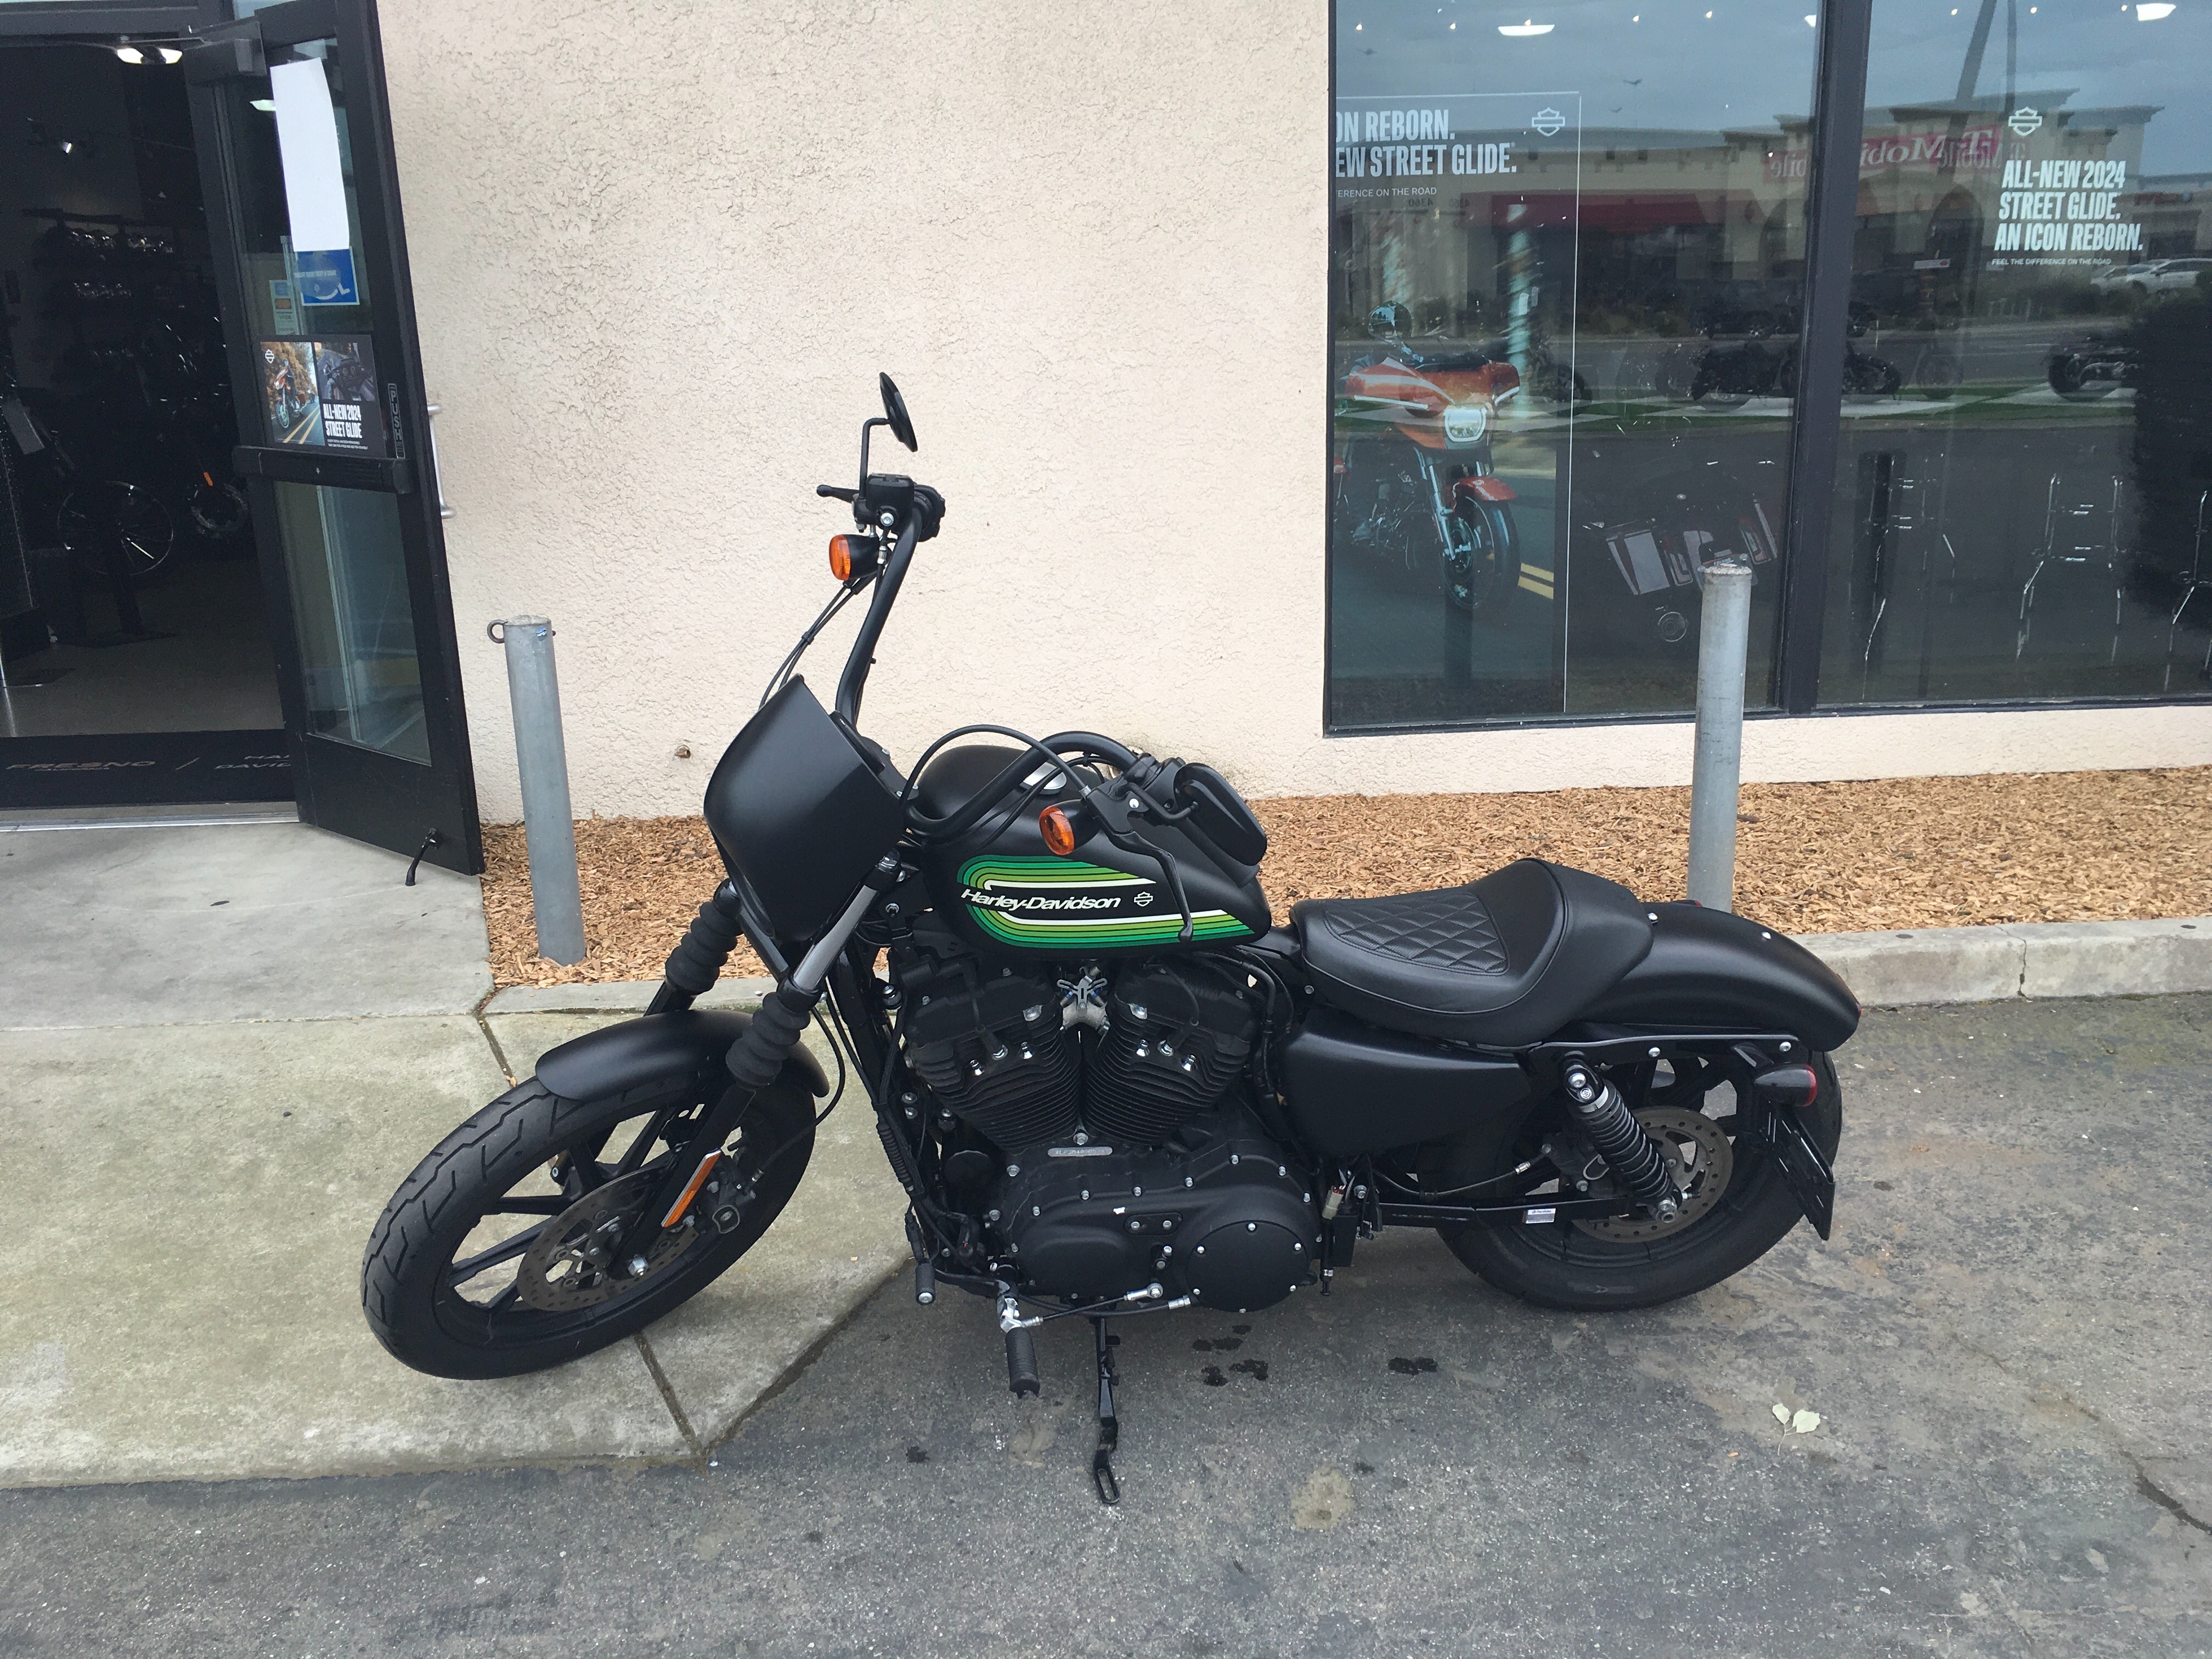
902	423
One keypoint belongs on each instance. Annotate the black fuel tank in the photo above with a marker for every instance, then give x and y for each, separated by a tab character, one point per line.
1004	892
1353	1087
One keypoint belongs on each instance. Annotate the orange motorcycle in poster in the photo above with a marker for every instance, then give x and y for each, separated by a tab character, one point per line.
1414	485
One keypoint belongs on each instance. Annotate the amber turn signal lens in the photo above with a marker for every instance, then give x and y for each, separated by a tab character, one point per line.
841	557
1058	830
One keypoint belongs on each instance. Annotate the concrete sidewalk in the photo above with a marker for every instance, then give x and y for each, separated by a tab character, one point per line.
221	1049
2006	1344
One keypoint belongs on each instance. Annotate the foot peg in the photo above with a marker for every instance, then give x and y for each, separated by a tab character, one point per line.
1021	1345
1021	1363
1599	1112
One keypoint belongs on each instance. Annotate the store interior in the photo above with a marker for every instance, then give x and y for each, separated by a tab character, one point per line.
130	597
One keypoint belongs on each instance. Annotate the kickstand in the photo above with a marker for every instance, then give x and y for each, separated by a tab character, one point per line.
1109	1426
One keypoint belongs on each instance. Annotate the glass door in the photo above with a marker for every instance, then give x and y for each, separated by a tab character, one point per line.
303	201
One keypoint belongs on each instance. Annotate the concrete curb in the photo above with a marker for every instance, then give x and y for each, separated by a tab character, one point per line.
1897	970
2047	959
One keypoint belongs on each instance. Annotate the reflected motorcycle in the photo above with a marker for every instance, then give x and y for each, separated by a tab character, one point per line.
1413	484
1108	1084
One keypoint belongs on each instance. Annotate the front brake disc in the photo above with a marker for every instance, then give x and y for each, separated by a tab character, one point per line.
1699	1161
572	1265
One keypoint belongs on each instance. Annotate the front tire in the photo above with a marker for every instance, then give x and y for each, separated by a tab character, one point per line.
1566	1266
475	1195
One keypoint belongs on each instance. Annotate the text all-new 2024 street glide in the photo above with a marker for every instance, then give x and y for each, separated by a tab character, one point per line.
1109	1086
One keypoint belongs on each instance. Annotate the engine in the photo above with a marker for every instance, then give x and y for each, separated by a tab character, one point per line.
1120	1151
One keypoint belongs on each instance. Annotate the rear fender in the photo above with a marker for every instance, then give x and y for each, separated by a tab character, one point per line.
1709	970
617	1058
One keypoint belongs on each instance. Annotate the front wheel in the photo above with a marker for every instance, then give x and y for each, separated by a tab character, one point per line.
492	1260
1735	1204
1481	558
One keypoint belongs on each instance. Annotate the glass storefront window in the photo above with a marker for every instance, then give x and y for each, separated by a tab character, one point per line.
2022	506
1567	256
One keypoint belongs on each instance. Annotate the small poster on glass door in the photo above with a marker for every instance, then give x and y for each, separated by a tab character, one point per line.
322	393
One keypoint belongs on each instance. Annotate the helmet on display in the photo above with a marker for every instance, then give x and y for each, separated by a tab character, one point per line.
1390	321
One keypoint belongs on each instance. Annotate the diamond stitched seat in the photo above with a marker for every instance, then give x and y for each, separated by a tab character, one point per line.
1503	961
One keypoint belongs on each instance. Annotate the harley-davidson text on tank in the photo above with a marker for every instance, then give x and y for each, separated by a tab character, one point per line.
1059	903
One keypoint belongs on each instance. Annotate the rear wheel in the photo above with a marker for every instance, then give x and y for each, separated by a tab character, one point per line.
492	1260
1735	1205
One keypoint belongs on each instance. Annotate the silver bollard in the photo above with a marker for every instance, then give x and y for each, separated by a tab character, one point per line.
1717	774
542	756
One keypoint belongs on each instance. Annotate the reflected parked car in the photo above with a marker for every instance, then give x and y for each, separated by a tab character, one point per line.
2177	275
2123	279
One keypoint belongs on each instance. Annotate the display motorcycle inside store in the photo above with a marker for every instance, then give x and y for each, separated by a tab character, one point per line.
1109	1086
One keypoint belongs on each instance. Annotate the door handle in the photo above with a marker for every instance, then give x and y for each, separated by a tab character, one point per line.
437	472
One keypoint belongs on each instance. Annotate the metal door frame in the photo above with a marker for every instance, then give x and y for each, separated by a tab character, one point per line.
352	790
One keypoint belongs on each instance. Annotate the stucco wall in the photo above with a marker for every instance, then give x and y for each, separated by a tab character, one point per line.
661	250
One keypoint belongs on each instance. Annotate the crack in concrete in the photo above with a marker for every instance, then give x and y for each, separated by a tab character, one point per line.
2146	1482
668	1398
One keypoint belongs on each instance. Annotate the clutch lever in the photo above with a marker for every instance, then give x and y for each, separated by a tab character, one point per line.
837	493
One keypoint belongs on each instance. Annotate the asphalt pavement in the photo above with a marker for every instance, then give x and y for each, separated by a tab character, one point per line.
2007	1348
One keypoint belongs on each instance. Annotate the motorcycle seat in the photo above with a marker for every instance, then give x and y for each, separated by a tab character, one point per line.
1505	961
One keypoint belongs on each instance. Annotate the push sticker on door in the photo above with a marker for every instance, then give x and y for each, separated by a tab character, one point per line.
322	393
314	184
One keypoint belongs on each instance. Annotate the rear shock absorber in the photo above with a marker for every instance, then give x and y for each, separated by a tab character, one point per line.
1599	1112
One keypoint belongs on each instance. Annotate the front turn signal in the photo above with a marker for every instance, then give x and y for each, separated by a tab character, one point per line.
1058	830
853	555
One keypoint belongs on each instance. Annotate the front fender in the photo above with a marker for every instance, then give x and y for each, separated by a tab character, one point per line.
1708	967
692	1043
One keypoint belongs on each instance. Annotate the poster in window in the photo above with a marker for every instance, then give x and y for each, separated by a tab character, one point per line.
345	377
323	394
290	395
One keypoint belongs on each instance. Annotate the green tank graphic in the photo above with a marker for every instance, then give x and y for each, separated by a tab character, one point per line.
1069	907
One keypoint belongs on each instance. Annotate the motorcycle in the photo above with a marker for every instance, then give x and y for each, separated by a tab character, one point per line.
1108	1084
2084	367
1761	361
1415	484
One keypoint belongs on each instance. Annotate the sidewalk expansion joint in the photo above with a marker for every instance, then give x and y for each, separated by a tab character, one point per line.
800	1366
498	1053
668	1397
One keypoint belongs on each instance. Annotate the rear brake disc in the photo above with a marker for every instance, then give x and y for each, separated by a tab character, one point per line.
1700	1160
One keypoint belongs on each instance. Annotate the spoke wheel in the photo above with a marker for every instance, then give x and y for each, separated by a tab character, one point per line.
87	516
1736	1205
495	1257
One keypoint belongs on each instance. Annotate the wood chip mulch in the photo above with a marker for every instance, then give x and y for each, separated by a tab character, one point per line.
1812	858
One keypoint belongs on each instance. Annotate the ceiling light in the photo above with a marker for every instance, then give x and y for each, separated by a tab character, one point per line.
267	104
1524	28
1812	21
2152	13
131	54
170	55
68	144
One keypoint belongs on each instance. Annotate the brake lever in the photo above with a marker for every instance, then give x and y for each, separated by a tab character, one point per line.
1118	806
836	493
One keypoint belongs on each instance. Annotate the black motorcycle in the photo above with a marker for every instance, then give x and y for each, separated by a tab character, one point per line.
1109	1086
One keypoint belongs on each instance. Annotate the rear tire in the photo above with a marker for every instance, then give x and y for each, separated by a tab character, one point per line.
425	1320
1561	1265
